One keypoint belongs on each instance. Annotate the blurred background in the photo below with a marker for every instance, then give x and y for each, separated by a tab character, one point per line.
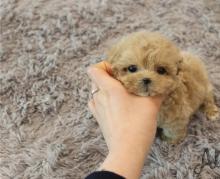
46	130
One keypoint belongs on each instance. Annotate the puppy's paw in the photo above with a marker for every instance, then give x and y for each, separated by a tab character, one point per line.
212	113
170	140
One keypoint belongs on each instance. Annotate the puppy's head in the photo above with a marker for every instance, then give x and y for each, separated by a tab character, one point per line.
146	63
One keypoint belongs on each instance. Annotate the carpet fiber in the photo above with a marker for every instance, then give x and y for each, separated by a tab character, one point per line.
46	130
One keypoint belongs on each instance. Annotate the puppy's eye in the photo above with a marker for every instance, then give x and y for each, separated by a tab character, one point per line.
132	68
161	70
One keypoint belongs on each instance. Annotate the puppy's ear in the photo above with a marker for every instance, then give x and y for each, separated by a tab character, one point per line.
113	54
112	57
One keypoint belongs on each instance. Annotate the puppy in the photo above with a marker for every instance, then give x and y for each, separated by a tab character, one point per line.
148	64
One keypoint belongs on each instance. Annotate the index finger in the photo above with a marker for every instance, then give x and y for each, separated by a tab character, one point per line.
100	74
104	65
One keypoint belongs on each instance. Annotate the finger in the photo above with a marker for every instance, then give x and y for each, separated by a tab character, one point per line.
94	90
94	87
157	99
104	65
99	99
101	77
91	105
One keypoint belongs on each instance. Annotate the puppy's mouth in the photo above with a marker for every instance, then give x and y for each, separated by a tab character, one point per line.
142	92
139	88
146	89
146	92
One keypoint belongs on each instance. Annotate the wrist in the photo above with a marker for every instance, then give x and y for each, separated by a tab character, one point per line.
126	162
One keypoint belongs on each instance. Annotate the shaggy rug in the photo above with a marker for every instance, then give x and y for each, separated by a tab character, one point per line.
46	130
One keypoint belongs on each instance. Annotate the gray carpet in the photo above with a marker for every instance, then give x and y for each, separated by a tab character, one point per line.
46	130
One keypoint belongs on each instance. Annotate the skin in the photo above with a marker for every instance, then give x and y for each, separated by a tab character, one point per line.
128	122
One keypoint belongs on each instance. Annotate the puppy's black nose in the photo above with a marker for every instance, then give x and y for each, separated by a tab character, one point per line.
146	81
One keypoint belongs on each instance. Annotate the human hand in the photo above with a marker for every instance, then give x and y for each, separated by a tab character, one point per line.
128	122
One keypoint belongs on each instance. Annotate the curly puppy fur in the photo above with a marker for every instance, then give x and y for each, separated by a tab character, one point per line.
148	64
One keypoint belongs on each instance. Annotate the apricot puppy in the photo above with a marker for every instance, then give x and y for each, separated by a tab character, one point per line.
148	64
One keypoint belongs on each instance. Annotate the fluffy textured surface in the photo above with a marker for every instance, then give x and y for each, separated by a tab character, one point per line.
46	130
